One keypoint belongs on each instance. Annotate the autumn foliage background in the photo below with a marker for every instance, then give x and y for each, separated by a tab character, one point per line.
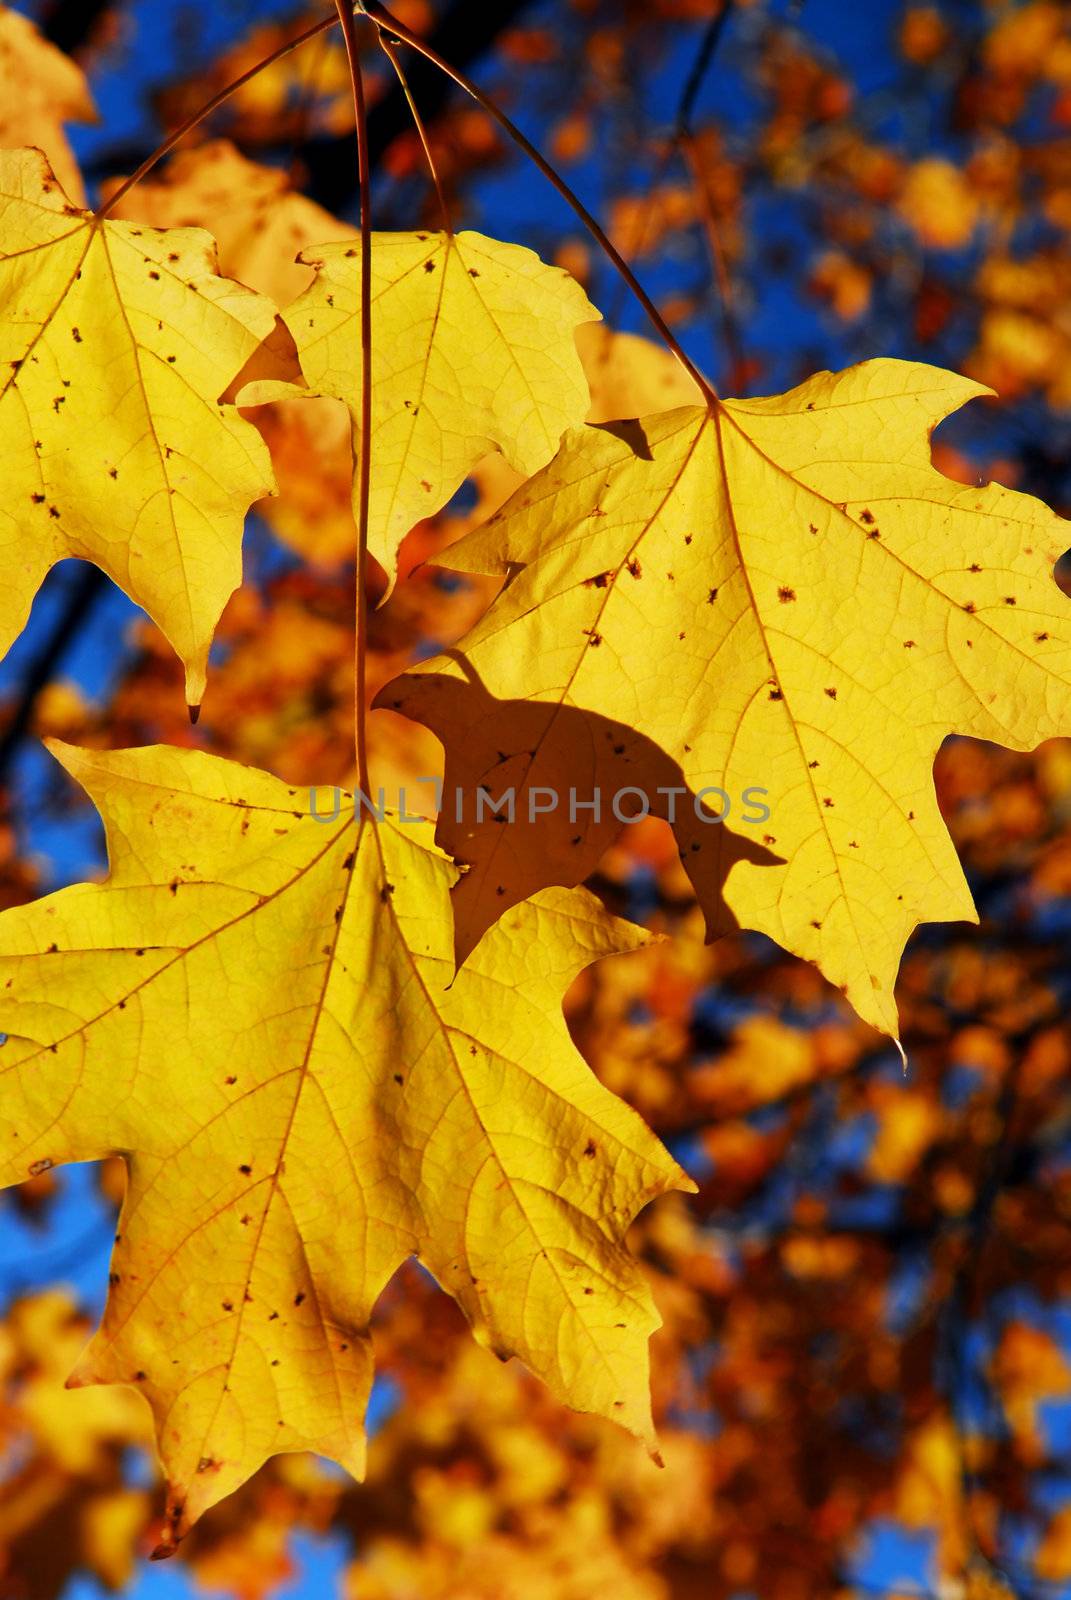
863	1382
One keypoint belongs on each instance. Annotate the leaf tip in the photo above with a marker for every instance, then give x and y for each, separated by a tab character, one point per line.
195	712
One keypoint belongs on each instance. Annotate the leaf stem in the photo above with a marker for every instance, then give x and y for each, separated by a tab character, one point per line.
206	110
730	334
383	19
364	461
387	46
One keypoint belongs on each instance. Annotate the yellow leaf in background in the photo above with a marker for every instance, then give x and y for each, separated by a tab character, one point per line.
47	1334
473	350
1023	339
939	204
781	594
909	1122
630	376
309	441
927	1491
118	341
844	283
259	221
111	1528
257	1010
763	1061
40	90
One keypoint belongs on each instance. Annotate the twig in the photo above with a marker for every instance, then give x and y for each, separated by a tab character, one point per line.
708	46
364	462
387	46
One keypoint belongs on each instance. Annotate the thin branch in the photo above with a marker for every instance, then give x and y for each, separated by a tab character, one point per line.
364	463
730	332
684	140
387	47
682	143
708	47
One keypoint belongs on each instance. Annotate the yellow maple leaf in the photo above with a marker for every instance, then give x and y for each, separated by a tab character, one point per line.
40	90
256	1009
473	350
118	342
780	594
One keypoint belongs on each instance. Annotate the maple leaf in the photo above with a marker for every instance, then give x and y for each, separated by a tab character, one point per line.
40	90
256	1009
473	350
779	593
118	341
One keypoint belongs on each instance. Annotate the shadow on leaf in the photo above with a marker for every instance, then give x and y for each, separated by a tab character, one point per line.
519	810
